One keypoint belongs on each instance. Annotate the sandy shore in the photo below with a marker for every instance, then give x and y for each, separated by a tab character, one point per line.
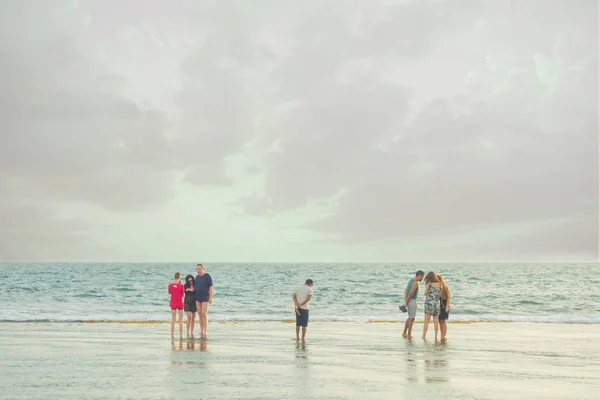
263	361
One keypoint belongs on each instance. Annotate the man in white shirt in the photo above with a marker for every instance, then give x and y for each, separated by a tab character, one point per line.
301	298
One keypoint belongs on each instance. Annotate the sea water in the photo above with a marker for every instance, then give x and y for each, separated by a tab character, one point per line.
72	292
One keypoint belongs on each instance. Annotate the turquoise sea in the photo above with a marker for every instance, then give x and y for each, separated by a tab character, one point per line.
71	292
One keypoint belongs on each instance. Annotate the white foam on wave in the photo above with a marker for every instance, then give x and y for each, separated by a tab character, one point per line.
7	316
315	317
550	318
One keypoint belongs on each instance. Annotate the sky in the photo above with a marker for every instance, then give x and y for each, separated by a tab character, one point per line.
280	130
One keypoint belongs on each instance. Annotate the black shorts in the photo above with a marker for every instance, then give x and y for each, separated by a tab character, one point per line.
302	319
443	314
190	306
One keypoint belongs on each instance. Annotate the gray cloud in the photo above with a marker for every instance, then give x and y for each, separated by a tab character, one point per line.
430	117
67	131
519	146
28	230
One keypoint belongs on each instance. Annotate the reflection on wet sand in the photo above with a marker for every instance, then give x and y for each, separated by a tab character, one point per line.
301	352
302	371
178	362
190	345
411	363
434	362
177	345
263	361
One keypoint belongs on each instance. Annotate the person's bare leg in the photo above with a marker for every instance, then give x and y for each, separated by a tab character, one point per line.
303	333
297	332
443	328
410	322
436	323
192	324
180	312
203	324
200	320
207	305
405	328
173	317
204	320
188	319
425	324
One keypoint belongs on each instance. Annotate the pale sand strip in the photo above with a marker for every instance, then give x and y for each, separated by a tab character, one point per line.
262	361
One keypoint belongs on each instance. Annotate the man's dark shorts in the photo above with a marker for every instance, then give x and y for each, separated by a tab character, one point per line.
302	319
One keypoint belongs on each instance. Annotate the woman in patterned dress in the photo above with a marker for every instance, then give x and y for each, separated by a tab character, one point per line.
433	291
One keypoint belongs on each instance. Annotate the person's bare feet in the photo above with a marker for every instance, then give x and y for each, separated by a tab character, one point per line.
404	335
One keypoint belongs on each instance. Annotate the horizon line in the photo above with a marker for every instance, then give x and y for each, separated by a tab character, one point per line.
307	262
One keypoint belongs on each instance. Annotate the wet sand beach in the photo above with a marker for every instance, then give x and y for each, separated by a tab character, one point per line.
264	361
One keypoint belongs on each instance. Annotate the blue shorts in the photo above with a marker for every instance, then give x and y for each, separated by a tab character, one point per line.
202	297
302	319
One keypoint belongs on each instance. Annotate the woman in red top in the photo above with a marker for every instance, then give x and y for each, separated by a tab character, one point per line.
176	291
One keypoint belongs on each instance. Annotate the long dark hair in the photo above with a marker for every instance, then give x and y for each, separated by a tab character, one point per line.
187	281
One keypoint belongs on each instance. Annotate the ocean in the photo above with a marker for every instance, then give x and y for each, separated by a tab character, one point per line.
132	292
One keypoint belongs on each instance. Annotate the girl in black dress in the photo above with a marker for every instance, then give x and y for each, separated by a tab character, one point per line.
189	304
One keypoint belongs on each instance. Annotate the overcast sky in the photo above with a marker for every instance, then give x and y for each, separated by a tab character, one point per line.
280	130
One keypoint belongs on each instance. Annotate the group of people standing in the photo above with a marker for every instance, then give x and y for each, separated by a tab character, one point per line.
195	296
437	304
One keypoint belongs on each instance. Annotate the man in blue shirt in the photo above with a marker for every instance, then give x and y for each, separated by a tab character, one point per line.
410	302
204	289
